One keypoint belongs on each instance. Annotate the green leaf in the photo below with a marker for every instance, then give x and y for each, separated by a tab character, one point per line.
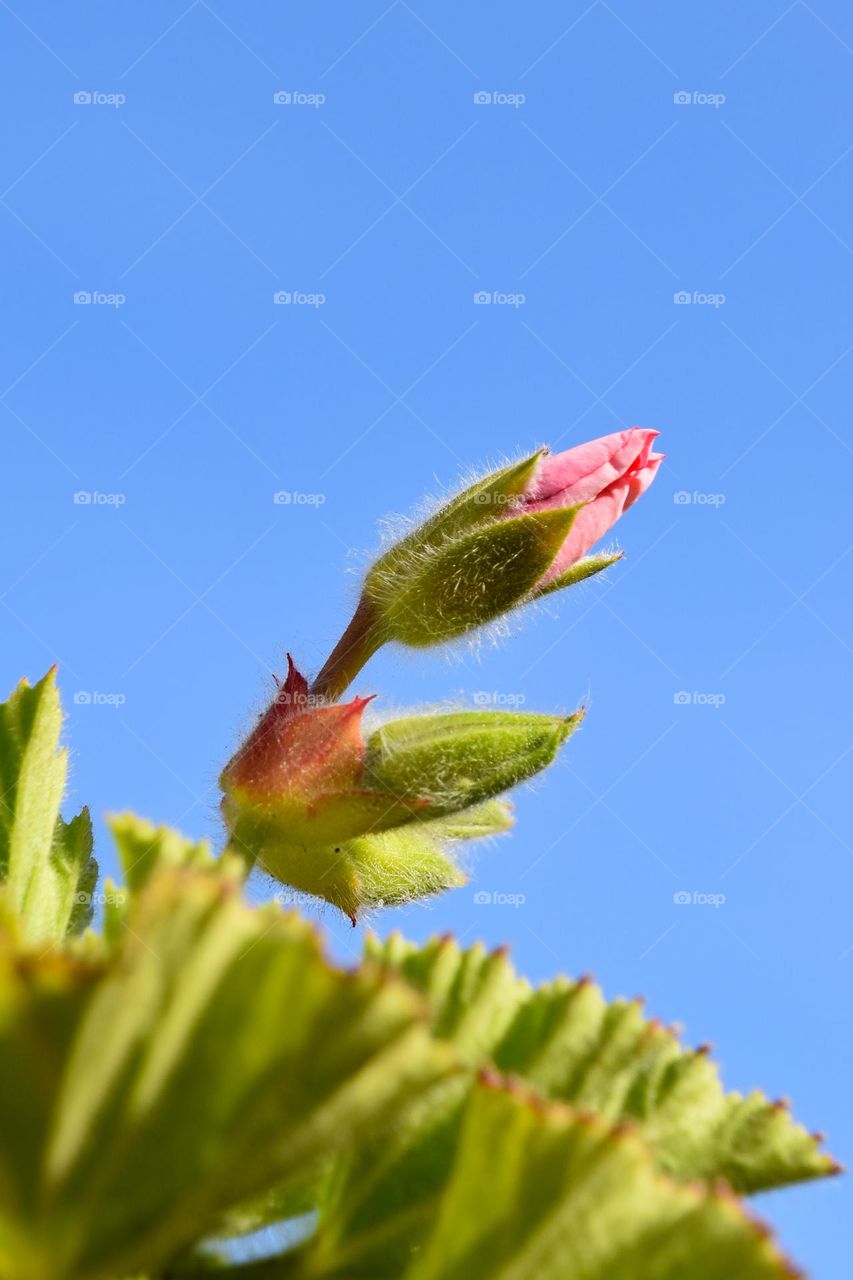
145	848
47	864
73	853
211	1056
546	1193
566	1042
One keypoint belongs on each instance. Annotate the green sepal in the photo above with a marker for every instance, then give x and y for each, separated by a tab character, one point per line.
482	820
453	761
388	868
435	593
579	572
480	503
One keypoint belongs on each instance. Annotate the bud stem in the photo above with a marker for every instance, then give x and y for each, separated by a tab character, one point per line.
356	646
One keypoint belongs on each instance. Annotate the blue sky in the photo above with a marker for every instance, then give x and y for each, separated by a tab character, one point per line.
626	154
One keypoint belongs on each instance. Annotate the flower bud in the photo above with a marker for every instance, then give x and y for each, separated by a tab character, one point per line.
437	592
494	547
450	762
359	822
298	775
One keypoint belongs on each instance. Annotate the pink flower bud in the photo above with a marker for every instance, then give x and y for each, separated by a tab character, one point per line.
605	475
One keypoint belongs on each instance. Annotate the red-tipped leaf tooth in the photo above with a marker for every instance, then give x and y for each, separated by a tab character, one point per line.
720	1190
654	1028
490	1079
623	1129
542	1107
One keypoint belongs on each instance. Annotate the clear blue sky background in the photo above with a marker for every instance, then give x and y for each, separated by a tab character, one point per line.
598	198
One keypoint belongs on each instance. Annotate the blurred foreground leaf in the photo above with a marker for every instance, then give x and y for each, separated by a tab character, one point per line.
212	1056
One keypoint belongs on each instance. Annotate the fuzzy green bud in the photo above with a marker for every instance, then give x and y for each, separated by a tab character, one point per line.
431	592
361	822
450	762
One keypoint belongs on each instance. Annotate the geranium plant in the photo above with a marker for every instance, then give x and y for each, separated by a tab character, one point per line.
193	1069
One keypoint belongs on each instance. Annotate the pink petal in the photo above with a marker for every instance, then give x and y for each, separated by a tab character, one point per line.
598	516
580	474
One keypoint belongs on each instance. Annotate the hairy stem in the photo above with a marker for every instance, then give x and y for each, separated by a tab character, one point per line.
356	646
